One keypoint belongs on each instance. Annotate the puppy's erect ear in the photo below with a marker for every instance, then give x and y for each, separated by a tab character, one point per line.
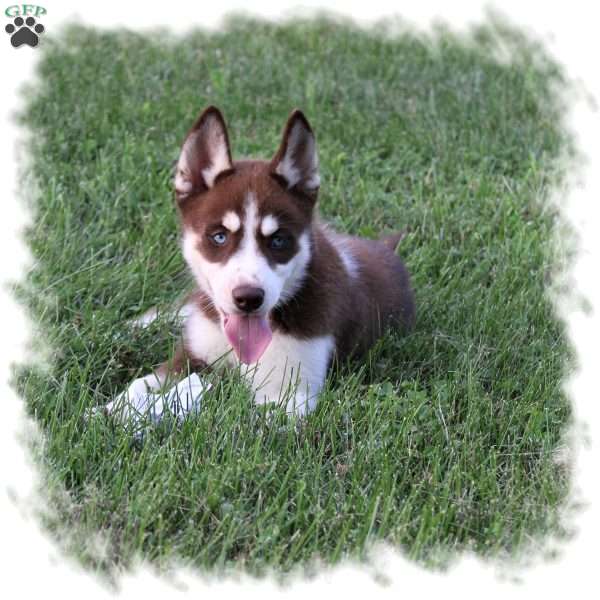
296	161
204	155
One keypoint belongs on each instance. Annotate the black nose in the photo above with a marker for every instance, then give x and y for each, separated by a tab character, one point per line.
248	298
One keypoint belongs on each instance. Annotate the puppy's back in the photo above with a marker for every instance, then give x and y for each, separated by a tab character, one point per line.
379	295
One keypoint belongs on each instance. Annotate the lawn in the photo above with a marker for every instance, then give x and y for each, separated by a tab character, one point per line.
441	441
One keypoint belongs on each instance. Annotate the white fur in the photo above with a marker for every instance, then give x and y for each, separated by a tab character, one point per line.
269	225
185	311
195	261
216	144
134	408
349	261
342	247
206	340
287	167
124	404
146	319
294	271
219	161
183	183
183	177
345	253
290	168
231	221
291	370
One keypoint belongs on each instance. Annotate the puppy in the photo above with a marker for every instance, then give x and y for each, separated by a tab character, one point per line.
279	294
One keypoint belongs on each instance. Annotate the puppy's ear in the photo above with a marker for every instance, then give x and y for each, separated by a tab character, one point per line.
204	155
296	162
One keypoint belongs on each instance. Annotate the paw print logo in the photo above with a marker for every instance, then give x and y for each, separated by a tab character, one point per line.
24	32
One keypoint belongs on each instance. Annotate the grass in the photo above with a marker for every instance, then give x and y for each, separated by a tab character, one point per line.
439	442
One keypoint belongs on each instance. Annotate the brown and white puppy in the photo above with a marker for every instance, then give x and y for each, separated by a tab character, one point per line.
279	294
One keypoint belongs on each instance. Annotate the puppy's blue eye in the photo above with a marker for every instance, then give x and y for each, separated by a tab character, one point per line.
278	242
219	238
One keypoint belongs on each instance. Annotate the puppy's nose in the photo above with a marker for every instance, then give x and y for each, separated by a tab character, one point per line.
248	298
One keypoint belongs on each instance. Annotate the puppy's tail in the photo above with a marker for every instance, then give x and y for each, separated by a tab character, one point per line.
391	240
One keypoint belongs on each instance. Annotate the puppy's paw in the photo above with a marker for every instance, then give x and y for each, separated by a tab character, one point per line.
300	405
131	402
141	403
127	404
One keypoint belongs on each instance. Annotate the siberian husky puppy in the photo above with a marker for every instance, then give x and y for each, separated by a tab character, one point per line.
279	294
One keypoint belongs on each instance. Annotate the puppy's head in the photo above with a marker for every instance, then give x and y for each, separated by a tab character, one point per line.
246	224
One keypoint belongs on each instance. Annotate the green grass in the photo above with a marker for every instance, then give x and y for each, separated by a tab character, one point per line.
441	441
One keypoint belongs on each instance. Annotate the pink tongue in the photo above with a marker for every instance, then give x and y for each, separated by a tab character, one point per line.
249	336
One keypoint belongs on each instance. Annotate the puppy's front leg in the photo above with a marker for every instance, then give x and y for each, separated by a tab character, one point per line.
135	394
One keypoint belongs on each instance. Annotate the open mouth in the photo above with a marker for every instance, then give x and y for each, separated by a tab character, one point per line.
249	335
